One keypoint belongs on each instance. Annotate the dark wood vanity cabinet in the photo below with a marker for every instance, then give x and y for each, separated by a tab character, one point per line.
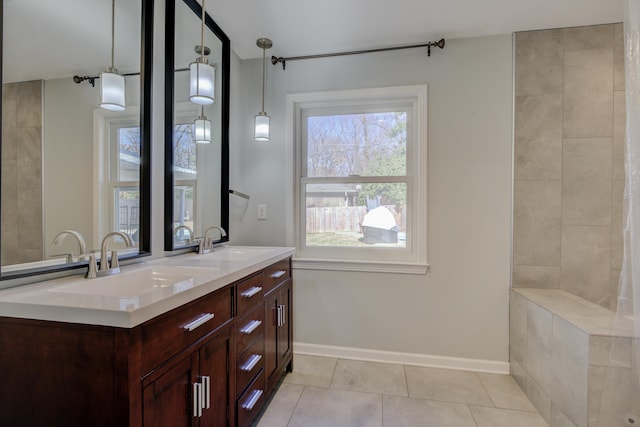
183	368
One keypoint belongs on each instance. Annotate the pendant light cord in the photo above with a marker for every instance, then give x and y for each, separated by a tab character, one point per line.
202	33
264	65
113	31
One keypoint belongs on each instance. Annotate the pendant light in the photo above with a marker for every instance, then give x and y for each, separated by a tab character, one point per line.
202	128
262	120
202	74
111	82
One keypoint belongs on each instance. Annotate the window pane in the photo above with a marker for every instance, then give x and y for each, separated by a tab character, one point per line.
366	144
349	214
129	154
128	211
184	152
183	207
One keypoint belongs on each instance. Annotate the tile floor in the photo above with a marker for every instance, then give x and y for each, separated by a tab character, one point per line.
333	392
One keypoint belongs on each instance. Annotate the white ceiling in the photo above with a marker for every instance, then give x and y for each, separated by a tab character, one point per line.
299	27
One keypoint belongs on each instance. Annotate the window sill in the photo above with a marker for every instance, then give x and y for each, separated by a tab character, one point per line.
360	266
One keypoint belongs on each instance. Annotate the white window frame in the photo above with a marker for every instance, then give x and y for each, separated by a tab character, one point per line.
413	260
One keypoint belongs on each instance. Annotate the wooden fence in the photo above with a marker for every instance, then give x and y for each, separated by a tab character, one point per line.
341	219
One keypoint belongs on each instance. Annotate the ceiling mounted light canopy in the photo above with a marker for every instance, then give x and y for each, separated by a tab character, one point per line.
112	88
202	74
261	125
202	129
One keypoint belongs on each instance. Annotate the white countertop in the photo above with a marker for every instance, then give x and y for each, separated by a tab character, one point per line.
141	292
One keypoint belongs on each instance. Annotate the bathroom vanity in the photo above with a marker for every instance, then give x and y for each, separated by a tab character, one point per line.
191	340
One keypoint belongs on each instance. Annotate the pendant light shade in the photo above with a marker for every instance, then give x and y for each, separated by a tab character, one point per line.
202	82
262	121
262	127
202	75
112	88
202	129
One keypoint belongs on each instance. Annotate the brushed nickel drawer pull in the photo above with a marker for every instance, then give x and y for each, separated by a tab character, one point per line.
251	363
278	274
252	291
250	327
198	322
252	400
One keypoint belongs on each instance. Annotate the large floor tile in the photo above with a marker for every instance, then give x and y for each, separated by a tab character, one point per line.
494	417
370	377
281	406
446	385
409	412
337	408
312	370
505	392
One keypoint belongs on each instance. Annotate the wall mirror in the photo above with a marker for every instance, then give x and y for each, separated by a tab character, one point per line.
66	163
196	174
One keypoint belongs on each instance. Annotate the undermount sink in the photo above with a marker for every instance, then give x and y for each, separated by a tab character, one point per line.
131	284
226	254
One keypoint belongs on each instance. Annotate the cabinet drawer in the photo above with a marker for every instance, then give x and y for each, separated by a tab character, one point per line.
249	327
174	331
250	292
249	363
250	403
276	274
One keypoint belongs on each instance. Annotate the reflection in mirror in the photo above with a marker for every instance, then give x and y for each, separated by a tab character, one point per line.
196	173
68	165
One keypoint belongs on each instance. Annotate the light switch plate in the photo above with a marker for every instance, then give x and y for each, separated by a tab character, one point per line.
262	211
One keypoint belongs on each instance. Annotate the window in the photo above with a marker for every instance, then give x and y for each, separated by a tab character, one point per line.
185	179
360	179
124	179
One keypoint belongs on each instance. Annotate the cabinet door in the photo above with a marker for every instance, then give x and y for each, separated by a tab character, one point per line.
215	366
271	334
285	331
167	400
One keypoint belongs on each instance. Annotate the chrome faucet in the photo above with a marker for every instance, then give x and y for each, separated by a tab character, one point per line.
183	227
206	245
79	238
114	267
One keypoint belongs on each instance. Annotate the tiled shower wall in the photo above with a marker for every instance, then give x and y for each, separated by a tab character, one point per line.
569	160
22	172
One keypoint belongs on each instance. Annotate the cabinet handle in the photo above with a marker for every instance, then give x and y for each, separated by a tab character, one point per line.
250	327
251	363
206	391
283	318
197	399
198	322
251	291
278	274
252	400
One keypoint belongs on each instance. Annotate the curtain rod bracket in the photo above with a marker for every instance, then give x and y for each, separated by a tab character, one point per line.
440	43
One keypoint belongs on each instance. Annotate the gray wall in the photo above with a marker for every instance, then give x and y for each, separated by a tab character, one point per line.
460	308
569	160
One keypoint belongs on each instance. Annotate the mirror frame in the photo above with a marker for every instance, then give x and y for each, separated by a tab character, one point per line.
146	73
169	80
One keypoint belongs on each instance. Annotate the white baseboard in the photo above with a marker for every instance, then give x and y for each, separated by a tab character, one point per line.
414	359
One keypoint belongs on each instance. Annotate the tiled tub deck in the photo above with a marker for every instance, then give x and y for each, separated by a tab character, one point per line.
565	351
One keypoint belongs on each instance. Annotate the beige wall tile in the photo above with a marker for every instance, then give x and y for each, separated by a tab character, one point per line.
539	398
518	373
618	57
9	135
588	93
538	62
617	220
559	419
588	37
586	181
29	104
570	371
539	334
613	393
614	289
586	258
517	329
619	127
538	136
610	351
534	276
537	223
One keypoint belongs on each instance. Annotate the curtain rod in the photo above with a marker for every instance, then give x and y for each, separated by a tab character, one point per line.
440	43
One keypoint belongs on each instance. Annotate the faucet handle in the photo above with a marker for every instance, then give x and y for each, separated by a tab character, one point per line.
92	271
